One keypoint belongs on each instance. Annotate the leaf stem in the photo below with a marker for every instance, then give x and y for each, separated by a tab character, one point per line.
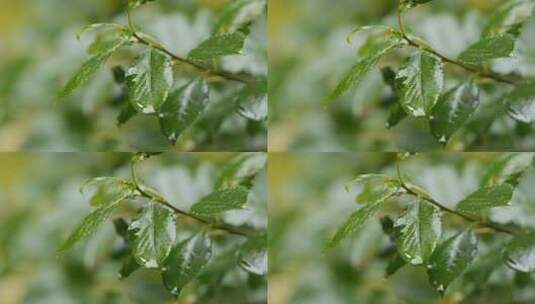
221	227
477	221
478	73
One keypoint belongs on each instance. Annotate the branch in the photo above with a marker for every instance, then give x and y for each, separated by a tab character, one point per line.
247	79
478	73
222	227
466	217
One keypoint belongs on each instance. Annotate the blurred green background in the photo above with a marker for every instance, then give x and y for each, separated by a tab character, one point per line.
39	52
309	55
40	204
308	203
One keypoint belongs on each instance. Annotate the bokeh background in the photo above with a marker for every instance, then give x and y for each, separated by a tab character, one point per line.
309	55
308	203
39	51
40	204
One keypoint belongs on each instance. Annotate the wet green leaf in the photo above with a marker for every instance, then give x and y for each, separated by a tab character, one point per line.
183	107
417	232
185	262
411	3
450	259
419	83
519	254
453	109
521	103
152	235
149	80
253	256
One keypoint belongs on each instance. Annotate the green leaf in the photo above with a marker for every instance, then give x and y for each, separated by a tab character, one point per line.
395	263
89	68
149	80
487	197
88	226
363	66
110	190
152	235
417	232
519	254
186	261
509	18
241	170
507	168
405	4
486	49
183	107
355	222
136	3
376	187
253	256
240	13
397	114
127	112
452	111
217	46
521	103
419	83
95	26
221	201
450	259
252	101
128	267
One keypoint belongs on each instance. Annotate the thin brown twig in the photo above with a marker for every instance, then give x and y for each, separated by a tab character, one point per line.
466	217
247	79
478	73
221	227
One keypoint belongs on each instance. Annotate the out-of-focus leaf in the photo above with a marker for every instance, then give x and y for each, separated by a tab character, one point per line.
419	83
450	259
221	201
217	46
411	3
149	80
487	197
252	101
418	231
519	254
507	168
253	256
183	107
509	18
376	187
486	49
186	261
239	13
395	263
241	170
521	103
152	235
91	66
129	266
397	114
136	3
453	109
110	190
